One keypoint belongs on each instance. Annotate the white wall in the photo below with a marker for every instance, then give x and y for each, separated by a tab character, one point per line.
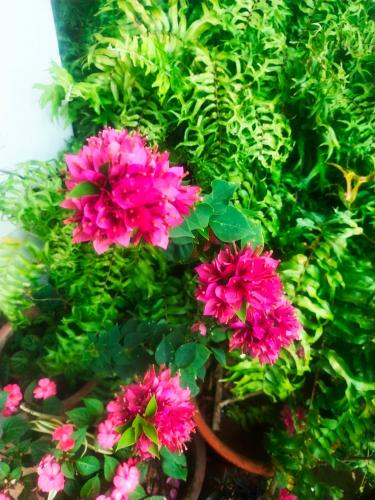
28	44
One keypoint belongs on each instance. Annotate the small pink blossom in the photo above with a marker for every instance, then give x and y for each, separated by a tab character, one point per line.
50	476
107	435
125	480
173	485
45	389
63	434
4	496
103	497
14	399
199	327
136	195
286	495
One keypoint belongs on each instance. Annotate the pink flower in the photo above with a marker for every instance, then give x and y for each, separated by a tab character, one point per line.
199	327
136	194
173	419
63	434
245	283
287	417
125	480
266	331
4	496
286	495
107	435
45	389
14	399
50	475
103	497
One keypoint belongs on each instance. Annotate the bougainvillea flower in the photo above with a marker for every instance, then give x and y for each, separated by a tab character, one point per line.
284	494
64	436
134	193
266	331
235	278
103	497
173	418
13	401
125	480
107	435
45	389
244	284
50	477
4	496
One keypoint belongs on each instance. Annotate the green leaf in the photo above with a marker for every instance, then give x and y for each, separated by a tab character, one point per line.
91	488
4	470
222	193
67	469
139	494
151	408
219	355
231	225
83	189
185	354
174	464
80	417
198	219
3	399
79	437
87	465
94	406
110	466
151	433
164	352
127	439
13	428
254	234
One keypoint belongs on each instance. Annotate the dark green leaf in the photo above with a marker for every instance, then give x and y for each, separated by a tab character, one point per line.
4	470
13	429
94	406
91	488
67	469
87	465
80	417
174	464
230	226
164	352
219	355
110	466
185	354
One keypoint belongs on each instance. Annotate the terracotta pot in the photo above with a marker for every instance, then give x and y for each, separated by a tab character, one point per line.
226	452
6	332
195	482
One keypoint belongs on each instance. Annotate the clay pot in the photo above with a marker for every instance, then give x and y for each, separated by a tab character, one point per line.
226	452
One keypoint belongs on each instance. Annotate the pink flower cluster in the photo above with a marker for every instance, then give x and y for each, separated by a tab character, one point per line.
45	389
125	481
284	494
64	436
14	399
292	420
4	496
173	418
50	477
245	283
136	194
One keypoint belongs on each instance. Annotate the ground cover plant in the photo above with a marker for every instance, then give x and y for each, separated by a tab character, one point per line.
266	108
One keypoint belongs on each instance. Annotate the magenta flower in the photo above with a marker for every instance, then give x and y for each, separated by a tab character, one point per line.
107	435
286	495
244	284
173	419
13	401
50	476
125	480
199	327
136	194
103	497
287	418
63	435
4	496
45	389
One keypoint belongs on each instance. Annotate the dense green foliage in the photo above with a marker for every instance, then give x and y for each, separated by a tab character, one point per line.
277	96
